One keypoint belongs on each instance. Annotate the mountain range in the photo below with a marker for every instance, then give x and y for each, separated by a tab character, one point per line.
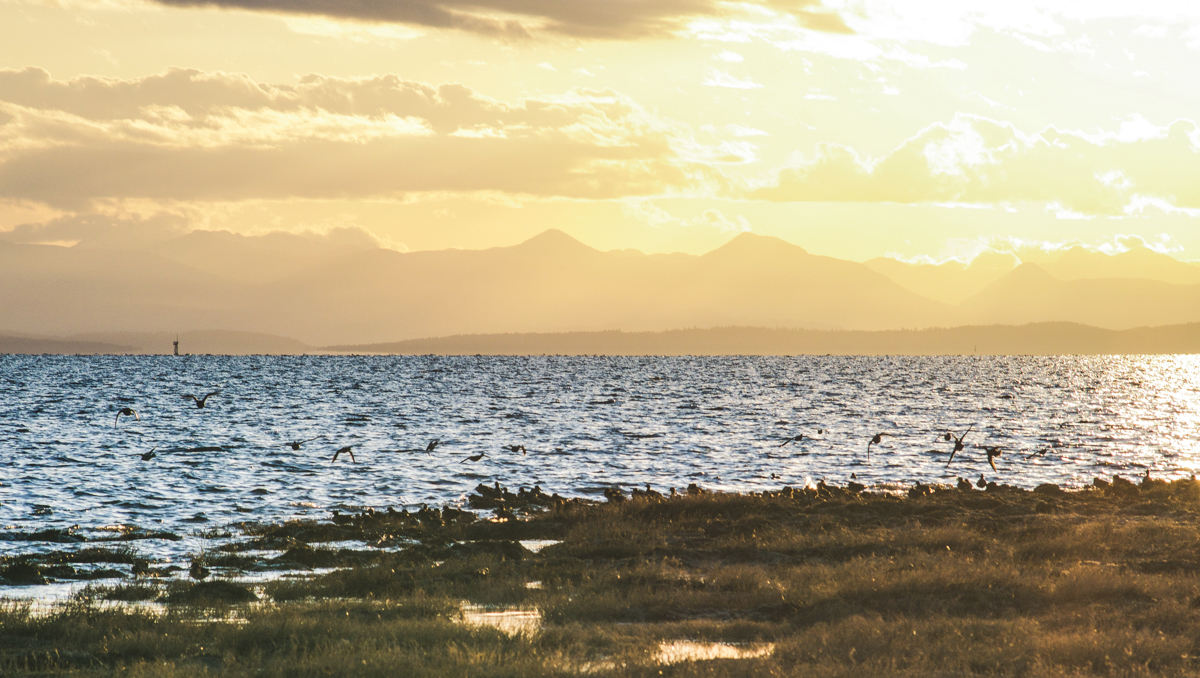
355	294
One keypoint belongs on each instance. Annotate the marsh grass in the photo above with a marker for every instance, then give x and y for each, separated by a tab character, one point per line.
1004	583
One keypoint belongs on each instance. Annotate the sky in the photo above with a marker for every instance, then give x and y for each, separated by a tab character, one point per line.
853	128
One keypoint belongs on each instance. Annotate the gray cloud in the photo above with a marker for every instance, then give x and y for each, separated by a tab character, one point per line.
188	135
604	19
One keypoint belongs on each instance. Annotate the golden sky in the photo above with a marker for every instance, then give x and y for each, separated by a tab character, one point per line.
854	129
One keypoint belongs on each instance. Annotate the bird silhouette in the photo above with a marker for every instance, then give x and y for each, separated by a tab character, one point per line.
432	444
198	571
963	483
126	412
799	438
515	448
992	453
958	443
147	456
295	444
1040	453
200	402
875	441
475	457
345	450
981	483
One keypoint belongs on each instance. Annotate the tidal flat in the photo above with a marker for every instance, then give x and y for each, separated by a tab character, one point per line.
824	581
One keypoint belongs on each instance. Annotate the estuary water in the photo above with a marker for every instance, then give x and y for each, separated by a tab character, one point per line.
586	423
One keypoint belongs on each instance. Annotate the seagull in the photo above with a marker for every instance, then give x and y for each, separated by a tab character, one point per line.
126	412
295	444
198	571
346	450
515	448
149	455
875	441
201	401
475	457
958	443
992	453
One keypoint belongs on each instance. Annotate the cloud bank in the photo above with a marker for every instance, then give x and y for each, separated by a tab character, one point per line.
981	161
606	19
188	135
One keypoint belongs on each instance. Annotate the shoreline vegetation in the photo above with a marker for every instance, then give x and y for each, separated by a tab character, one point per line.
1049	338
821	581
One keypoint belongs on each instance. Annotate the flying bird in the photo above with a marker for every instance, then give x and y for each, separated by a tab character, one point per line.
149	455
475	457
345	450
295	444
958	443
875	441
515	448
126	412
200	402
432	444
992	453
796	439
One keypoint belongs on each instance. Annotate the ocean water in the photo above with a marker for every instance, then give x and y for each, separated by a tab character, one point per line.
587	423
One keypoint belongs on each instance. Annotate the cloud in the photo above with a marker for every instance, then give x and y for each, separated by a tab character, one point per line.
519	19
976	160
102	230
186	135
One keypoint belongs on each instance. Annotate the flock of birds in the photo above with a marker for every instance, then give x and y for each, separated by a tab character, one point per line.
992	451
296	445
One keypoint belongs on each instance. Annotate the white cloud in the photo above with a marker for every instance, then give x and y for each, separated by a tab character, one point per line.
723	79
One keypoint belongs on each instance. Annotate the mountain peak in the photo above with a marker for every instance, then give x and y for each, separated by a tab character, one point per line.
753	245
553	241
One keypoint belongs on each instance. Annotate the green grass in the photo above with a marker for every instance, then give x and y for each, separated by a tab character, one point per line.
999	583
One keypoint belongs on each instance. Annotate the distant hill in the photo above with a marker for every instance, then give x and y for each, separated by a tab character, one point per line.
215	342
347	291
39	345
1033	339
1139	262
951	282
1030	294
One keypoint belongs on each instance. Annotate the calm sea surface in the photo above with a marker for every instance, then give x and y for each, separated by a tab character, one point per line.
587	423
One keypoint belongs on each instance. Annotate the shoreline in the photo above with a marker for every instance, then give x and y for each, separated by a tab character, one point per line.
834	580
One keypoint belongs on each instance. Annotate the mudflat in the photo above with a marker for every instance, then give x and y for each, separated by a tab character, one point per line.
825	581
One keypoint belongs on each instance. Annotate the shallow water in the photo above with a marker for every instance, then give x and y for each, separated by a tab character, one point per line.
587	423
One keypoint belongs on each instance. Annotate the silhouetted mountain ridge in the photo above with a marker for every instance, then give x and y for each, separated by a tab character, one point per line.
353	293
